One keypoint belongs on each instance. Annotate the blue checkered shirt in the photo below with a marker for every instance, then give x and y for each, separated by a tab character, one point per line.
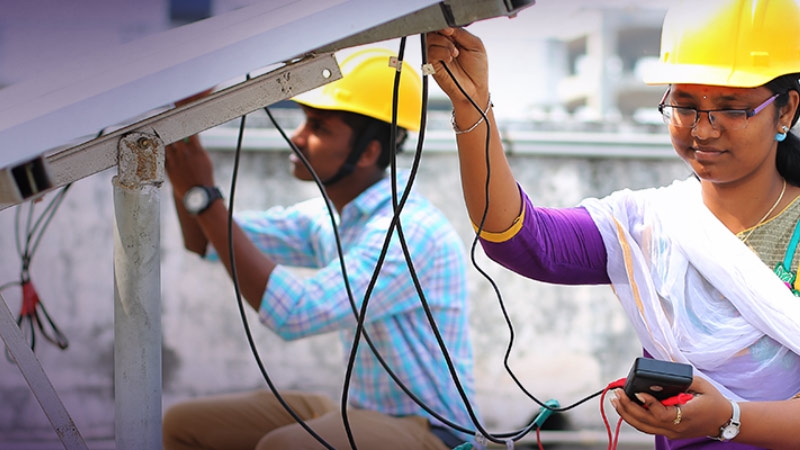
295	306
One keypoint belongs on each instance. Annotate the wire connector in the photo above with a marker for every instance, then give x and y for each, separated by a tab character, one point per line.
480	441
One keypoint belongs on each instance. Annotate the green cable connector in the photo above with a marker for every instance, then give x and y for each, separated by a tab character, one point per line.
543	415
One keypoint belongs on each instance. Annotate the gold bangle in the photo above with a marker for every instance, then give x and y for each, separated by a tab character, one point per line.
480	121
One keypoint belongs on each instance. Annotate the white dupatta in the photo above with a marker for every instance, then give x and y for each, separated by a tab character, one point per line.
696	294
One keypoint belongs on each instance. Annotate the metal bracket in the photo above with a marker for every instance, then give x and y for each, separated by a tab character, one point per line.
139	161
24	180
448	13
77	162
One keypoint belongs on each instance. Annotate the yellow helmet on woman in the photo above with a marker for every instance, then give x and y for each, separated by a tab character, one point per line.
367	87
736	43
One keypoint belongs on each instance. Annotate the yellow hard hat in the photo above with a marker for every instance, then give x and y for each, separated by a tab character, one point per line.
736	43
367	87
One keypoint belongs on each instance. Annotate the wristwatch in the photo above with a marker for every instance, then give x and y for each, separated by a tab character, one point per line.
731	429
199	198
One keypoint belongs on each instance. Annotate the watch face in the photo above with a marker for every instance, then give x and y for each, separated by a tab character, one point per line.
195	199
730	432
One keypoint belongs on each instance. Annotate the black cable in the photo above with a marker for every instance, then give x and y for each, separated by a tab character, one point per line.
26	247
235	279
361	316
27	243
31	243
486	275
398	206
321	186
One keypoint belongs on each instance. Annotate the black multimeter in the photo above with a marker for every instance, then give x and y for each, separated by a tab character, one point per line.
661	379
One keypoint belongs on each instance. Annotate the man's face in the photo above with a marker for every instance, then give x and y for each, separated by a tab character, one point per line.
325	140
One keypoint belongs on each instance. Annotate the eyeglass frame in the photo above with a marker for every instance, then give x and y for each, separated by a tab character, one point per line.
748	113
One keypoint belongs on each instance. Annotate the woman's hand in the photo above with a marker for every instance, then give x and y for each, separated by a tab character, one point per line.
703	415
465	57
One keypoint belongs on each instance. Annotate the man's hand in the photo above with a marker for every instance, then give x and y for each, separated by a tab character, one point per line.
187	164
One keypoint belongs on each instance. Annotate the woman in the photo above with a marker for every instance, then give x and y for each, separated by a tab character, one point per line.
704	268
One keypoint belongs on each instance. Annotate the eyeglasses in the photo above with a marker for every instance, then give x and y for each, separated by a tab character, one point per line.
728	119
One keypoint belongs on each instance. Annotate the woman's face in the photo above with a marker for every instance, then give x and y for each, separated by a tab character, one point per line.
715	152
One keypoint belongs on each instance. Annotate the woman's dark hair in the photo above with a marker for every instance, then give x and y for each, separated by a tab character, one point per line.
787	159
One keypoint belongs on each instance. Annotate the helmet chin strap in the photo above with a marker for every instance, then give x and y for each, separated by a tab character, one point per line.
367	135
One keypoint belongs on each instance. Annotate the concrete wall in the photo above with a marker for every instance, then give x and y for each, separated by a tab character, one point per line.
569	341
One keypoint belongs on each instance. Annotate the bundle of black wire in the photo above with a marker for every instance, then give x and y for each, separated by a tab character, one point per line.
360	315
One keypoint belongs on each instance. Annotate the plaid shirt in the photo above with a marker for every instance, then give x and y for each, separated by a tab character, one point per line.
295	306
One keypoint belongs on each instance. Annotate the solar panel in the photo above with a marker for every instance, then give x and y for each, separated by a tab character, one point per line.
68	105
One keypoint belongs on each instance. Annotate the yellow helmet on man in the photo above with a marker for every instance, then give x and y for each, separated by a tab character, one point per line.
367	86
734	43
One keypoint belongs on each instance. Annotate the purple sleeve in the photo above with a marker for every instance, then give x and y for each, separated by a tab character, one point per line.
663	443
560	246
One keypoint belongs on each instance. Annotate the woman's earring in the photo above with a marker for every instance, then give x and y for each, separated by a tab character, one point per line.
780	137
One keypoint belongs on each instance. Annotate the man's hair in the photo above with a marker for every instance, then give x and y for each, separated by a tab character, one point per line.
376	130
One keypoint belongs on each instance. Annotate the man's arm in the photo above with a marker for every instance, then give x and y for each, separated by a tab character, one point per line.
188	165
194	239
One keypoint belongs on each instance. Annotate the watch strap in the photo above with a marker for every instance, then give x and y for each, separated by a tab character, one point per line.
734	422
214	194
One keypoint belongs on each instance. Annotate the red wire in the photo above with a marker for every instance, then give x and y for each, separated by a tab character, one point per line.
539	438
612	441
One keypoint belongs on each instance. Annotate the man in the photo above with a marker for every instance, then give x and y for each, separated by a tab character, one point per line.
346	139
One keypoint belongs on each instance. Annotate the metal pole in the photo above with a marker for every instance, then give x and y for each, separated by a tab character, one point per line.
37	380
137	285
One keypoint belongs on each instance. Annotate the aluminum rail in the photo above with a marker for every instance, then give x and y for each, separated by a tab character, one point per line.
100	154
144	74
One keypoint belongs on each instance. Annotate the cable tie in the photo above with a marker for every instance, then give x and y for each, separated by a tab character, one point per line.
427	69
394	62
481	440
510	444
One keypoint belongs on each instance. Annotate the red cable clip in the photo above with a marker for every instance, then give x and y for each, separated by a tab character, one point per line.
616	384
679	399
30	299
